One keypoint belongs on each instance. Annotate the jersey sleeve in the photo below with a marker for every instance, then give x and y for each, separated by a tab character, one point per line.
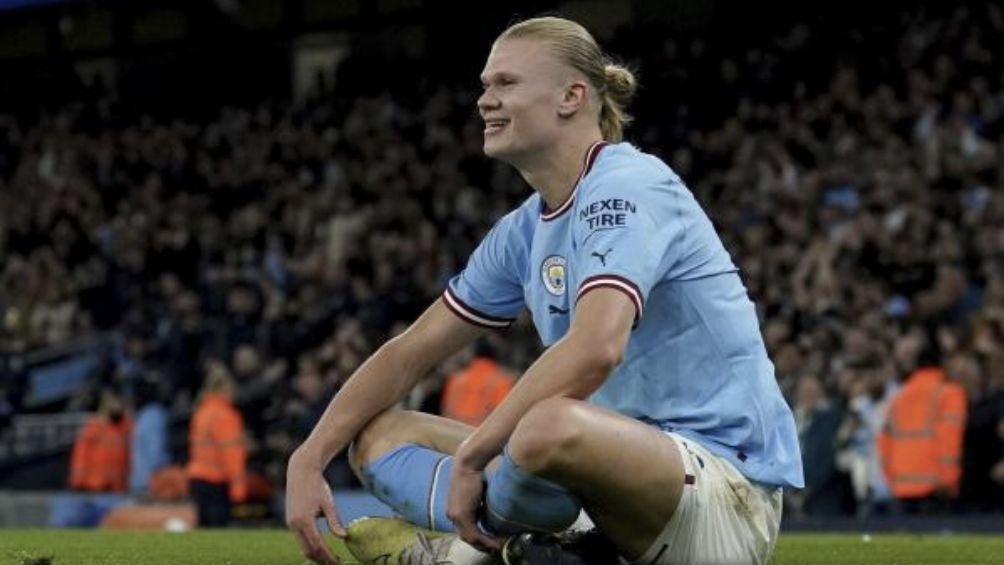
626	234
489	292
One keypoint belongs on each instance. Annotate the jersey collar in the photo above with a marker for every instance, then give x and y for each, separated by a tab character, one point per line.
594	151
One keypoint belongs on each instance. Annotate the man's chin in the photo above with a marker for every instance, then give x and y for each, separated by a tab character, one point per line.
491	149
495	150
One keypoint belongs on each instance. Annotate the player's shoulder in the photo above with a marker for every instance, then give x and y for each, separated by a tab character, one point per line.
515	229
621	165
523	218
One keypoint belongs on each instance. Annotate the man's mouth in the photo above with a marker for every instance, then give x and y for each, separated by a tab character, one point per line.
495	125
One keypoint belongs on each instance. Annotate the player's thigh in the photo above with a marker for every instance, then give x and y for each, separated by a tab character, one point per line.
630	475
638	479
394	428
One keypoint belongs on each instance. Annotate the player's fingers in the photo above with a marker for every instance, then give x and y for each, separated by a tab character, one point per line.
491	542
313	546
481	541
305	548
468	531
333	518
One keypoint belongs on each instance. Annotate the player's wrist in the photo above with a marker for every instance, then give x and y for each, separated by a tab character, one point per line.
469	459
308	456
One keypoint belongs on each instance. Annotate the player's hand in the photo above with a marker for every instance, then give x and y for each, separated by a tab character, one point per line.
466	489
307	497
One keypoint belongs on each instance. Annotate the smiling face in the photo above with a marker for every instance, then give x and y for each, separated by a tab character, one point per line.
524	86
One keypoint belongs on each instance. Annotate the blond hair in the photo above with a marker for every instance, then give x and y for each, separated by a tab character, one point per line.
615	84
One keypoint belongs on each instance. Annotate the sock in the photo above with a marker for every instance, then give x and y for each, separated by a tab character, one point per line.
414	481
518	501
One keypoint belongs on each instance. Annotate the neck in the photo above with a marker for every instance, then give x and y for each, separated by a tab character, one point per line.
554	173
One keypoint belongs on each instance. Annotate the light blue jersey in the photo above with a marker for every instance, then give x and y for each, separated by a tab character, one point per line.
695	363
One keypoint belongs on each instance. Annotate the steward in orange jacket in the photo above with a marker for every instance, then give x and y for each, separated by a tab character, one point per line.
472	393
217	454
921	444
100	458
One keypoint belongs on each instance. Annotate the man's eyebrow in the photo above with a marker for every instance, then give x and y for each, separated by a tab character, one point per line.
488	77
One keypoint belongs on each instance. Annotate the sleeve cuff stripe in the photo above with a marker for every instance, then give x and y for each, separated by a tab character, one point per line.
471	315
613	281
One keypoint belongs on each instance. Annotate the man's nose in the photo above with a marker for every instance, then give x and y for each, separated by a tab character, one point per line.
487	100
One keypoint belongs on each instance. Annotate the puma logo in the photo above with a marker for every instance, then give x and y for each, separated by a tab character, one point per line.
601	256
552	309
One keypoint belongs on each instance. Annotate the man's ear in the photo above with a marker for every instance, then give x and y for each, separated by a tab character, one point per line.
573	99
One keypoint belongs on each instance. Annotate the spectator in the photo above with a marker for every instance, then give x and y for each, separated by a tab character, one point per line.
921	444
255	386
184	338
310	397
149	440
473	392
131	362
982	444
818	421
858	437
100	458
217	462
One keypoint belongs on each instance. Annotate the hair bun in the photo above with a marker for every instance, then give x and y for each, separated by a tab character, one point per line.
620	82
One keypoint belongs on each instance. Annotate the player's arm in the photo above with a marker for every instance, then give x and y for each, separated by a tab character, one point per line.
385	378
574	367
618	264
378	384
485	295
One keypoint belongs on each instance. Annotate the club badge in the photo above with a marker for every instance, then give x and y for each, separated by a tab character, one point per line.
552	273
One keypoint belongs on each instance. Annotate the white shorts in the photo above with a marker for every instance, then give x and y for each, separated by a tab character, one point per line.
722	518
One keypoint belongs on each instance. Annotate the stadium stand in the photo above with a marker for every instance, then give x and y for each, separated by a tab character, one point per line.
854	169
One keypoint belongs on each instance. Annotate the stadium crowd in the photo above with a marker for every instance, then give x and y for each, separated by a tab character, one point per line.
860	193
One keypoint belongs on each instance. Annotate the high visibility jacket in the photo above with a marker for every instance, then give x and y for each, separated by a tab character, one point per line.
472	393
100	457
921	443
217	453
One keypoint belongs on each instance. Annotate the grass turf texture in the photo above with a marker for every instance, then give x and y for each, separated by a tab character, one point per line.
276	547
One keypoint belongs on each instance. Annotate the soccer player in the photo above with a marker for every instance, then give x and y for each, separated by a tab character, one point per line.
654	408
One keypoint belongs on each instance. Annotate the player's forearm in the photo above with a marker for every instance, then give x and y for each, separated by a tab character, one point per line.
379	383
573	368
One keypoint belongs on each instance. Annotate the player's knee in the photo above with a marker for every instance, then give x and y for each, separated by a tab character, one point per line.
548	436
380	436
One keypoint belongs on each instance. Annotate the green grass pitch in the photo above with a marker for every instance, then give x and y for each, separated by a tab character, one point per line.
277	547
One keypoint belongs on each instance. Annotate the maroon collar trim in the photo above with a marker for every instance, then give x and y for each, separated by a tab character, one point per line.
591	155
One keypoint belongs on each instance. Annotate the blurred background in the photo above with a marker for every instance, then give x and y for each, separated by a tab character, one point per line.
253	195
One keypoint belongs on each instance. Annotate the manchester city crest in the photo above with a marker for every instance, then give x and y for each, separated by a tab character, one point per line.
552	273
